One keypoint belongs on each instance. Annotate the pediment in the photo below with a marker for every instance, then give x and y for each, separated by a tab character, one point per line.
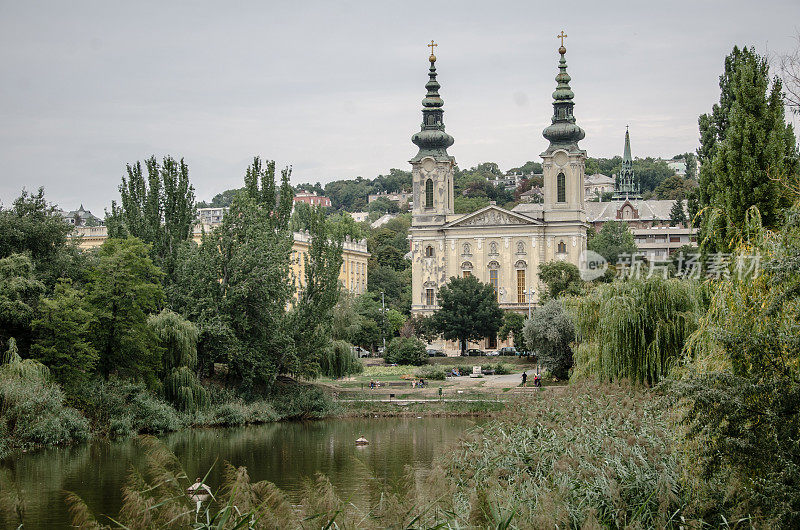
492	216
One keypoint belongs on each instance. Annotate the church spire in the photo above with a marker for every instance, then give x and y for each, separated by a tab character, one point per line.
627	179
563	132
432	140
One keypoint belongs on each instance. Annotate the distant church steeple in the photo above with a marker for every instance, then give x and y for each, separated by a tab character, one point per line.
432	140
563	162
432	168
626	184
563	133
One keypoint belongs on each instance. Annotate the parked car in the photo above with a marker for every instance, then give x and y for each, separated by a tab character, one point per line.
433	352
360	352
508	350
474	352
492	353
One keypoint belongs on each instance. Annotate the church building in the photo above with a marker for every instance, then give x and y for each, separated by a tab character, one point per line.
498	246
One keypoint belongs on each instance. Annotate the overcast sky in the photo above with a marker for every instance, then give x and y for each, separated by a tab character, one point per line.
334	88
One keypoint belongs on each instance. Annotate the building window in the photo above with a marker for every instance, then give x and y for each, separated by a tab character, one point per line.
429	251
429	193
428	296
491	342
561	186
521	286
674	239
562	247
466	274
494	281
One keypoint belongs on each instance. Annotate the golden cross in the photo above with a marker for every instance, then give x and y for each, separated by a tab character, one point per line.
562	36
431	45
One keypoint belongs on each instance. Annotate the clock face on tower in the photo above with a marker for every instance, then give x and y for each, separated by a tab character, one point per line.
560	158
428	165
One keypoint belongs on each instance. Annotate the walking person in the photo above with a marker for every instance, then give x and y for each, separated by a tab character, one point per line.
524	378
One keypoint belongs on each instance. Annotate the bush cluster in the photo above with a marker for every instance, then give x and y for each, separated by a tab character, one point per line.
32	413
406	350
435	373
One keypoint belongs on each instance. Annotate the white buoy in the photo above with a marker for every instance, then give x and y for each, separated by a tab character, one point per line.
362	441
198	492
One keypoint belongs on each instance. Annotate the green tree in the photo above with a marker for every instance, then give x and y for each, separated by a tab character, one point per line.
124	288
62	331
635	330
673	186
338	360
745	146
468	311
677	214
691	165
159	209
178	340
319	291
560	278
512	326
424	328
19	296
33	227
612	241
549	333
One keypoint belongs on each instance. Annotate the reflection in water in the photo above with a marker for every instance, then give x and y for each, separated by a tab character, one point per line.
282	453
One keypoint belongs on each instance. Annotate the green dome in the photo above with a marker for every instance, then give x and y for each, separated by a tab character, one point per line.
432	140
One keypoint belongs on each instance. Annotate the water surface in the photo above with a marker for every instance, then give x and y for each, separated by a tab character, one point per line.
283	453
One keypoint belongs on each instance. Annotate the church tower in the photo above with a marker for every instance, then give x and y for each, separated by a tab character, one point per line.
626	185
432	167
563	162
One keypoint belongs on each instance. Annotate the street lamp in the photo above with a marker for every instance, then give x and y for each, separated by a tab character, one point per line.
531	292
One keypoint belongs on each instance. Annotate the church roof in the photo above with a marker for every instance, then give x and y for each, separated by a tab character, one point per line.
649	210
493	216
532	210
599	178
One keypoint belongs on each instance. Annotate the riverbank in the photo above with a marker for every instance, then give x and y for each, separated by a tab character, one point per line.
37	414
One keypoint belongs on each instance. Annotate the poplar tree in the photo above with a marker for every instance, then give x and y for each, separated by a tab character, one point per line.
745	147
158	208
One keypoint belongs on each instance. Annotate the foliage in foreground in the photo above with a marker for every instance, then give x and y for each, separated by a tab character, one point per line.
549	333
409	350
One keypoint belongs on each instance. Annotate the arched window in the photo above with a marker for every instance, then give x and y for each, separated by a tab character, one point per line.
429	193
562	247
561	186
429	251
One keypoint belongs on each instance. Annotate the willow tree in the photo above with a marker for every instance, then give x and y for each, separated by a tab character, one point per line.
178	340
635	330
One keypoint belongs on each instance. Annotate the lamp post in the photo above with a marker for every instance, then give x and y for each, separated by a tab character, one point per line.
531	292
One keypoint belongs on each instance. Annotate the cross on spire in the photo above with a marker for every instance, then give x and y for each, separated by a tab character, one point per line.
562	37
431	45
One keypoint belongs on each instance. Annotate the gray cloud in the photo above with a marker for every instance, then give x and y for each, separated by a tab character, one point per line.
334	88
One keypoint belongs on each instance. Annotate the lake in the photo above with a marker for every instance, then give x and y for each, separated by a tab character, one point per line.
283	453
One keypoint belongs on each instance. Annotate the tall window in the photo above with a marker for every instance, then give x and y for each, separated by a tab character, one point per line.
521	286
429	297
429	251
493	281
562	247
429	193
466	274
561	186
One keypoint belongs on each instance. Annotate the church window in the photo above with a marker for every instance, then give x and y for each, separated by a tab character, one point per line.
561	185
429	251
429	297
466	273
493	280
521	286
562	247
429	193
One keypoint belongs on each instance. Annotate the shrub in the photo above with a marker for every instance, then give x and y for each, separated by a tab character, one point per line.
406	350
501	369
123	408
32	413
434	373
301	402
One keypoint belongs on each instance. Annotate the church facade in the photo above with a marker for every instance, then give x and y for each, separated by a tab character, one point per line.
501	247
